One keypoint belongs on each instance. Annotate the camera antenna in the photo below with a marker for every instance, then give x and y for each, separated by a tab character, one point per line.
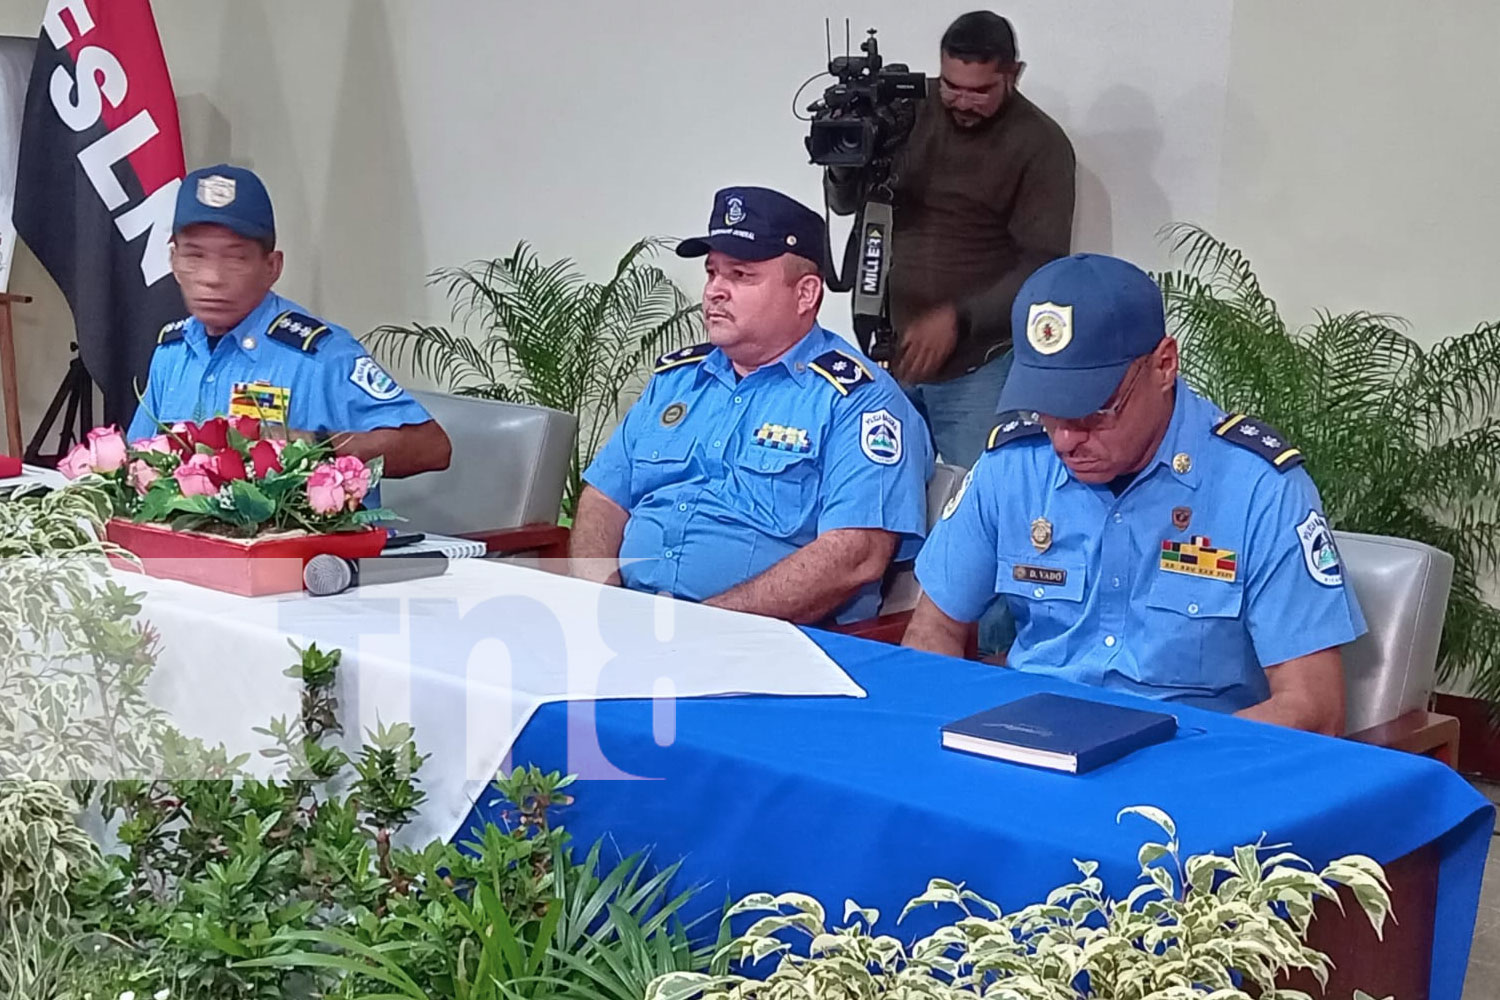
828	38
847	50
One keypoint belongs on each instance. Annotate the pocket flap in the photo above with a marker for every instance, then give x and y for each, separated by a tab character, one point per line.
665	448
771	460
1041	578
1196	596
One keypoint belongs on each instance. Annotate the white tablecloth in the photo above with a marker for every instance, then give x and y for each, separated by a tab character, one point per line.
467	658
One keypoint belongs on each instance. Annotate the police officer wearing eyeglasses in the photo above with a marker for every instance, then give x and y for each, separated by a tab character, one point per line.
246	351
1144	540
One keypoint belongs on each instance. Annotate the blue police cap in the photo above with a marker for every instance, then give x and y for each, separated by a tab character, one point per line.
1085	318
227	196
754	223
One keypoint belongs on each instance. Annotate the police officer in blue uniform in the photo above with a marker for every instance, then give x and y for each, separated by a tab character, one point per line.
773	470
1145	540
247	351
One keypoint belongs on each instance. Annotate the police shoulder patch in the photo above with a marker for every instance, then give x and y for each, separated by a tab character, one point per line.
1013	426
1261	438
298	330
172	331
846	372
686	356
372	378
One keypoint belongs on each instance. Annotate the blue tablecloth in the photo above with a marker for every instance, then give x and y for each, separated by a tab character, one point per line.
854	798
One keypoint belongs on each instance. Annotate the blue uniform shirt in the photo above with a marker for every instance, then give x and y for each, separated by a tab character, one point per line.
724	476
331	383
1215	562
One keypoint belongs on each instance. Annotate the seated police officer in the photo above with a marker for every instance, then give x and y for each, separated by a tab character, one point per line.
1145	541
773	470
247	351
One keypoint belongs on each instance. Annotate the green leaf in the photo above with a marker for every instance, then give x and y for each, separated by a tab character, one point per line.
250	502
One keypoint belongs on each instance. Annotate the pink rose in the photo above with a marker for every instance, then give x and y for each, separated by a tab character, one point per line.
142	476
198	476
325	489
356	477
106	449
77	462
160	445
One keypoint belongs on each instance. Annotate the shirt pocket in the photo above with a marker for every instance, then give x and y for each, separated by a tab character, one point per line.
1199	639
661	461
779	487
1044	591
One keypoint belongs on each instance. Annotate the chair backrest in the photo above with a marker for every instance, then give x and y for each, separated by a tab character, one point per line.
510	464
901	588
1402	588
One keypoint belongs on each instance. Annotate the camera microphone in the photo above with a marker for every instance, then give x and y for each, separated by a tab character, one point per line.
326	574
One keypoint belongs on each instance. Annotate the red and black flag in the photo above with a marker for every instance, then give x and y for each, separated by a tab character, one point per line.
96	185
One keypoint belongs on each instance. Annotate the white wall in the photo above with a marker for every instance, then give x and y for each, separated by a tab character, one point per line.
1345	144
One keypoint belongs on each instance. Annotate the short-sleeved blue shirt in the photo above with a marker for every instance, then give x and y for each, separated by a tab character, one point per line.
1213	564
723	476
332	384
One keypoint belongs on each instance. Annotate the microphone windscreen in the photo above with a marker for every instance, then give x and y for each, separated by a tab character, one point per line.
326	575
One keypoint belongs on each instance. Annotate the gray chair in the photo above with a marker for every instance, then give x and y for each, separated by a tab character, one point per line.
510	464
901	588
1389	672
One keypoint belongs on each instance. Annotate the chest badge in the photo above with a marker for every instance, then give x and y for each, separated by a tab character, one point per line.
1041	534
1199	558
1182	517
1182	463
783	438
673	414
262	400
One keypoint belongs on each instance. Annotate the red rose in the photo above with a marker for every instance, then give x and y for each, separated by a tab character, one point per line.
213	433
181	438
231	465
264	456
247	427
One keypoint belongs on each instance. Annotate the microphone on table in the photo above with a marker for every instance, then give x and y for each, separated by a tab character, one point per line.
327	574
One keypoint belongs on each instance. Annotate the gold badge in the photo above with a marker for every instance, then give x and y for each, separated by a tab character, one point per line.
1049	327
1041	534
672	414
1182	517
1182	463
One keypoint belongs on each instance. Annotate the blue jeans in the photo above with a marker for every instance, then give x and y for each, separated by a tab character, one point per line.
960	414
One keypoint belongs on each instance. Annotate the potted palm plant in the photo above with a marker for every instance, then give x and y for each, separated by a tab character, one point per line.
542	333
1401	439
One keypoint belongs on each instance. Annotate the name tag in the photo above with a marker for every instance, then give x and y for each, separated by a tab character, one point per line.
1040	574
269	403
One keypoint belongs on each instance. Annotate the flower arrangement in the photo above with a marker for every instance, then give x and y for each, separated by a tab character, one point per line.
223	477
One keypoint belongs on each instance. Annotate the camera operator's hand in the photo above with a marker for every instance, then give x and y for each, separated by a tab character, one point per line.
925	344
843	175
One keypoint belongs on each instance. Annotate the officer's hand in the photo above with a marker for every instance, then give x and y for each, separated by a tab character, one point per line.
926	343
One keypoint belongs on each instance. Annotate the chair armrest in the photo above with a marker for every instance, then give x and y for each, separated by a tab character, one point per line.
548	541
1418	731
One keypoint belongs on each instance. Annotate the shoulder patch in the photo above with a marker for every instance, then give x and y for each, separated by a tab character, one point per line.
1261	438
372	378
1013	426
686	356
172	331
846	372
298	330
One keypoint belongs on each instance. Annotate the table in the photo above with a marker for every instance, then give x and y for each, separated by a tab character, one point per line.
855	798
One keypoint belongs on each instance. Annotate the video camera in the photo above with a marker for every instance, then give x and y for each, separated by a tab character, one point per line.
868	113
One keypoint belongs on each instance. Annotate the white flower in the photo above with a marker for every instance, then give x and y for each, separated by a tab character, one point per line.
161	995
128	995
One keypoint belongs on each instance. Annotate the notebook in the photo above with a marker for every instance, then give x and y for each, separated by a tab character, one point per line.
1058	732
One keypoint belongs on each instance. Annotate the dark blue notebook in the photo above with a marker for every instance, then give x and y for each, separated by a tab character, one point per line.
1058	732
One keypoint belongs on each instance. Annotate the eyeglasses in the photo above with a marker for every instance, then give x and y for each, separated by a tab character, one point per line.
1104	417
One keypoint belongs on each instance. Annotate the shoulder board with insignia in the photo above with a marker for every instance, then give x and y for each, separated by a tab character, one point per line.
1261	438
172	331
686	356
1013	426
846	372
298	330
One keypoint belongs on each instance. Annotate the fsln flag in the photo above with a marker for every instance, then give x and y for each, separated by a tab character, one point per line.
100	164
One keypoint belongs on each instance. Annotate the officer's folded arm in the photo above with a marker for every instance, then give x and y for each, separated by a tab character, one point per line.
1307	692
408	450
932	630
595	539
812	583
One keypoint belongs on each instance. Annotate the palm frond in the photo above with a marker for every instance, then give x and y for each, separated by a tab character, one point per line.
1400	440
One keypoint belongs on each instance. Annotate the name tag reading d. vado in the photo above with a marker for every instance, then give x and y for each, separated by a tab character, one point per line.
1040	574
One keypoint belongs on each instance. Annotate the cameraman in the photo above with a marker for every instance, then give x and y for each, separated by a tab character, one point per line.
982	196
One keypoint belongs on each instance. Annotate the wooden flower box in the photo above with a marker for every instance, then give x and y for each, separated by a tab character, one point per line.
248	567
